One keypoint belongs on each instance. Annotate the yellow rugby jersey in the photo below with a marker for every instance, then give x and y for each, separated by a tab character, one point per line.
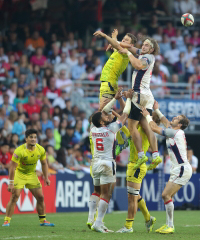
145	145
27	159
114	67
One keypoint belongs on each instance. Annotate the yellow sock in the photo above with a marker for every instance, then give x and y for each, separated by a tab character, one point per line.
120	138
42	218
129	223
7	219
143	208
126	131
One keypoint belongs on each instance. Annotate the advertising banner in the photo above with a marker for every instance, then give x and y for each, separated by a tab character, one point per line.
72	193
26	202
172	107
188	194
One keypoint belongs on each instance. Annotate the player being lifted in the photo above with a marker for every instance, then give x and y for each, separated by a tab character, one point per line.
103	164
134	181
113	68
22	173
181	170
142	97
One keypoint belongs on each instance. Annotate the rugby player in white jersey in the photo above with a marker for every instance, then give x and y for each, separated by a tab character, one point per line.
103	164
142	97
181	170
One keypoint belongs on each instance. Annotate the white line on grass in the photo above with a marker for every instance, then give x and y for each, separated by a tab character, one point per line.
25	237
192	225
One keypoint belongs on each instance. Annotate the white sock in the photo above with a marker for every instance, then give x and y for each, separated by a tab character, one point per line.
103	205
93	203
170	212
155	154
140	154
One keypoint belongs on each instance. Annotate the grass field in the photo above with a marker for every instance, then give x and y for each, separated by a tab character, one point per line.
73	226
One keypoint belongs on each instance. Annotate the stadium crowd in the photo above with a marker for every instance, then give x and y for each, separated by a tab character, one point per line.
38	67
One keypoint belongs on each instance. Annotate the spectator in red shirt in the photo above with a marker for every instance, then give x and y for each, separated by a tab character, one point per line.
51	92
170	30
39	59
5	158
31	107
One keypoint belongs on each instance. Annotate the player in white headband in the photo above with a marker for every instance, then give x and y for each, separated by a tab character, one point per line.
143	65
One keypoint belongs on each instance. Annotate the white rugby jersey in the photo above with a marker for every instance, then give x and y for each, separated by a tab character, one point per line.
104	139
176	145
141	78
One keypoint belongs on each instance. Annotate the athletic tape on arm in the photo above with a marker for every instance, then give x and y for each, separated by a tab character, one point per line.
109	106
127	108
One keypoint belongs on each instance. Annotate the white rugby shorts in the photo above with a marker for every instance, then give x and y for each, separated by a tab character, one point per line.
142	100
103	171
181	174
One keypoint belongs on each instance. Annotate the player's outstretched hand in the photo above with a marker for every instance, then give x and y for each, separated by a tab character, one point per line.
99	34
11	188
145	112
114	33
118	95
123	51
129	94
155	106
47	182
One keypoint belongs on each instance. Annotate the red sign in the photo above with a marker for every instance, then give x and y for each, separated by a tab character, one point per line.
26	202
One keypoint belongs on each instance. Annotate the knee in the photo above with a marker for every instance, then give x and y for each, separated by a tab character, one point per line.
40	198
164	196
14	198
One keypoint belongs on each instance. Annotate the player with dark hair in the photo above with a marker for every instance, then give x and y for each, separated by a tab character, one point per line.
181	170
22	173
103	164
114	67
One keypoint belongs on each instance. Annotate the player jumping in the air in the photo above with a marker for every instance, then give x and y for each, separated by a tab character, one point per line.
181	170
142	96
113	68
103	163
24	160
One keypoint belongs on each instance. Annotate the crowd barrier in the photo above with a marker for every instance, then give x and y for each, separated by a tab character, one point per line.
71	193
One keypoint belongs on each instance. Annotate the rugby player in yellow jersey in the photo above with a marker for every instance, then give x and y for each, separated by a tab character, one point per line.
22	173
134	181
113	68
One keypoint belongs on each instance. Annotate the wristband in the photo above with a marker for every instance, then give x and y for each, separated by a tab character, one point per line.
11	182
158	112
129	53
149	118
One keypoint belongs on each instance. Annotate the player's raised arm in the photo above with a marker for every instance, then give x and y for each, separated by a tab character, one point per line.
130	48
113	42
163	119
114	36
154	127
12	168
136	63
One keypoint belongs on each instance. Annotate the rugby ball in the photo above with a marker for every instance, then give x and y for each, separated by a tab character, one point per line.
187	19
